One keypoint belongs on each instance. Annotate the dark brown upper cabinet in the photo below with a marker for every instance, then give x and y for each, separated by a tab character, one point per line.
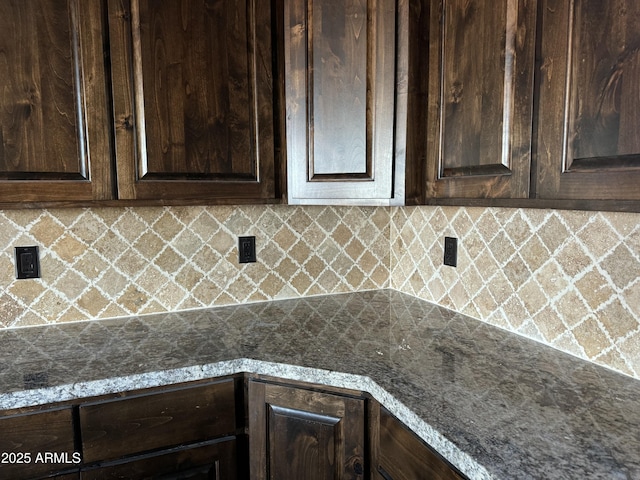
54	135
589	119
475	111
340	95
193	99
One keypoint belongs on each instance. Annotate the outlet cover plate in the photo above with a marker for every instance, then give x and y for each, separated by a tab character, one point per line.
246	249
451	251
27	262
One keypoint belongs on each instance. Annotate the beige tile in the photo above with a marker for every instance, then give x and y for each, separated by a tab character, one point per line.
46	230
573	258
553	233
549	324
133	300
129	226
622	266
591	337
551	279
167	226
69	249
533	297
534	253
149	245
285	238
71	285
301	282
10	310
93	302
618	320
354	277
354	249
572	307
594	288
598	237
25	290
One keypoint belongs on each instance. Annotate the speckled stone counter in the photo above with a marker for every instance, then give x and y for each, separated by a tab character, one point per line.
495	404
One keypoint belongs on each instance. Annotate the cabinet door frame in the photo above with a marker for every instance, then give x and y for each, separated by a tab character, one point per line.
87	174
508	174
378	180
133	179
560	175
347	413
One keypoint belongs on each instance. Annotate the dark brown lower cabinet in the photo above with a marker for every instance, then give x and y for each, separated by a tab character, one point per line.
212	461
27	441
402	455
305	434
149	422
229	428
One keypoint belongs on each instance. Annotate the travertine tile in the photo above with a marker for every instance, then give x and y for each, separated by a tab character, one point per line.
120	261
568	279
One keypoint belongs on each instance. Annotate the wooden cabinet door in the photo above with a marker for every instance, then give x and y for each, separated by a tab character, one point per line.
340	87
193	99
297	433
54	123
404	456
479	97
589	115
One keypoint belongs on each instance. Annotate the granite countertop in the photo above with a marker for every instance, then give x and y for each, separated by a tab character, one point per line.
495	404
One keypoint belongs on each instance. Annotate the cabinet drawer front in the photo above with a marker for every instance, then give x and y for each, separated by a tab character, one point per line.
121	427
214	460
36	444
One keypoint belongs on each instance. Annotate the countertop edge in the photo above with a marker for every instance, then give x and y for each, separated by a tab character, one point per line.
80	390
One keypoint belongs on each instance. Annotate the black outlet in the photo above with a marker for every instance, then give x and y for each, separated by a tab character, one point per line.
27	262
246	249
451	251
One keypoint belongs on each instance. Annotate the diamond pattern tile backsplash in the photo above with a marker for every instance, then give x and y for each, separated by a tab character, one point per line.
568	279
565	278
99	263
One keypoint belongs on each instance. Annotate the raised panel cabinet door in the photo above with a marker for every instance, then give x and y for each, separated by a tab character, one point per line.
340	94
193	99
297	433
54	123
589	114
479	97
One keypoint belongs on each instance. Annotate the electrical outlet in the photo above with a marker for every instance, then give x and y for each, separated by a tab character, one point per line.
246	249
27	262
451	251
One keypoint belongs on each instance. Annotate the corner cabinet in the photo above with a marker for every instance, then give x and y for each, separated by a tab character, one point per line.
303	433
402	455
475	70
54	117
589	119
340	99
193	99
